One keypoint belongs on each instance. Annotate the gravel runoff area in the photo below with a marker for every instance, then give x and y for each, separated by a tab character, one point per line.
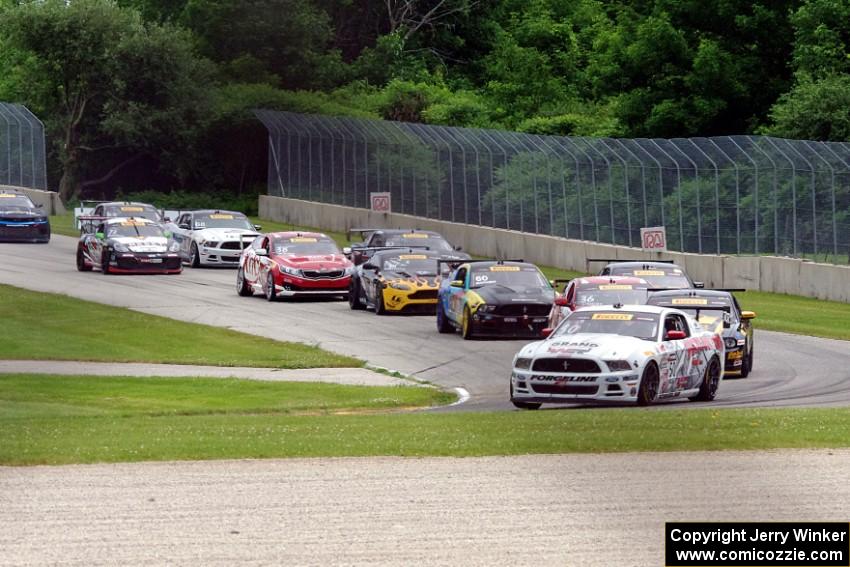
584	510
347	376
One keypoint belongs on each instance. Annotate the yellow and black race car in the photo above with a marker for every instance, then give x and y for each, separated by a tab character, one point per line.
396	280
718	311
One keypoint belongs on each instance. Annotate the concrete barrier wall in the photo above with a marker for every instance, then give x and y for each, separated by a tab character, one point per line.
763	273
50	200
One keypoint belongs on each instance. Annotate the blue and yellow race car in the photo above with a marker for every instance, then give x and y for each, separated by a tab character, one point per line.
494	298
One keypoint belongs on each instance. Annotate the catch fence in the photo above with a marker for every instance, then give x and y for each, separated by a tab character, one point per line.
718	195
22	152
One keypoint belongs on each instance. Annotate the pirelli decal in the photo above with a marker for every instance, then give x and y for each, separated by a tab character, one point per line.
221	216
414	235
504	268
613	316
690	301
303	239
614	287
649	272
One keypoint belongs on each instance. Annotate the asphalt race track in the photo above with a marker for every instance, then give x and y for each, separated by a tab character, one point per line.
789	370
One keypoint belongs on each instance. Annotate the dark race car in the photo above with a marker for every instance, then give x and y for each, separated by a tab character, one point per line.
666	275
21	220
374	238
495	298
293	264
125	246
397	281
717	311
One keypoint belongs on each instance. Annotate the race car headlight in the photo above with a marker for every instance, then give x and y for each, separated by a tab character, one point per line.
209	244
522	363
618	365
174	246
348	271
290	271
730	342
399	285
118	247
487	308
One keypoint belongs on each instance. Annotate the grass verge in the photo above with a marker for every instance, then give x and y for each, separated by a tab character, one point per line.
63	328
73	429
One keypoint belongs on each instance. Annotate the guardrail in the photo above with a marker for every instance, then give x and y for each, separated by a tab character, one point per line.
765	273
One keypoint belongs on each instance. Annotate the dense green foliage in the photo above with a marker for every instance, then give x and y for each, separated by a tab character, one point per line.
157	94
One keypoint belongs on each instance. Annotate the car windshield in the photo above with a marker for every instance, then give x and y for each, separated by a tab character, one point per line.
611	295
411	265
130	228
627	323
13	202
432	241
140	211
305	246
660	277
707	310
514	277
221	220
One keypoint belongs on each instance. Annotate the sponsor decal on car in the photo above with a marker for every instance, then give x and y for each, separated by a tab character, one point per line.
414	235
614	287
132	209
613	316
689	301
413	257
221	216
7	196
649	272
303	239
542	378
504	268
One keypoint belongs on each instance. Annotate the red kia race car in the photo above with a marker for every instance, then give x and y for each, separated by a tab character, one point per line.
293	264
592	291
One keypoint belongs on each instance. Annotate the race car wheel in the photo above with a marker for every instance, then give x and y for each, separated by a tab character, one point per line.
746	364
105	259
195	257
443	325
271	292
380	308
81	261
243	288
466	324
649	384
710	381
354	295
523	405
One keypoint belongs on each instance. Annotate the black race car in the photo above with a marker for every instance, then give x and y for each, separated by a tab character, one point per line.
495	298
374	238
718	311
125	246
21	220
396	280
659	274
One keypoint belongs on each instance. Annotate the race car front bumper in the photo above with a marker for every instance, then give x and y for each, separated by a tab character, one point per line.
24	230
734	359
146	263
219	256
414	300
522	326
292	286
571	388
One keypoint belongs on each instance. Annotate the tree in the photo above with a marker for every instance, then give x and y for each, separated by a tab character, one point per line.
110	88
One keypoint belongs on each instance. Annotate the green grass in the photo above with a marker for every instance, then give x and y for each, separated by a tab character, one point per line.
798	315
53	420
64	224
48	326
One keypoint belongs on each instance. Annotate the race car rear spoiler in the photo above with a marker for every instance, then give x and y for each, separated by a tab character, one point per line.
363	232
616	260
690	290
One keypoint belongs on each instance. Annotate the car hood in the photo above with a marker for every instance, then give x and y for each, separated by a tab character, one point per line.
495	294
419	281
323	262
222	234
590	345
143	243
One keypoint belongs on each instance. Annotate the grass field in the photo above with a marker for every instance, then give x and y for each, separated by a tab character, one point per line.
61	420
56	327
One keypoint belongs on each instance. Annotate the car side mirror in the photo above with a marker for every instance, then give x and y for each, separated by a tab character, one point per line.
748	315
99	235
699	285
39	206
546	332
675	335
261	252
185	226
368	266
459	248
346	250
456	283
258	227
561	301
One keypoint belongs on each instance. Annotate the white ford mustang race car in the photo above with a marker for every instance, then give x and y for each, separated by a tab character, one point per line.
213	238
619	354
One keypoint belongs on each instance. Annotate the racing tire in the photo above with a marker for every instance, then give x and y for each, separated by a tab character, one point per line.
466	325
81	262
243	288
443	325
354	296
746	365
104	262
380	308
195	257
524	405
650	383
710	382
270	291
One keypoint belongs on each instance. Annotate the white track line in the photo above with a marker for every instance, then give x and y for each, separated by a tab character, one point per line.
462	397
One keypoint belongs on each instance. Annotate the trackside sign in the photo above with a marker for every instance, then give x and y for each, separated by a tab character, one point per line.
380	202
653	238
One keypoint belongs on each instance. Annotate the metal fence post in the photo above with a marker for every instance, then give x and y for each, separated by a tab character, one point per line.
737	196
770	141
678	192
492	181
557	140
832	196
699	204
625	184
814	195
756	210
717	197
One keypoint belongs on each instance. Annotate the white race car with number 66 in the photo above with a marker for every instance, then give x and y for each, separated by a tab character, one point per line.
609	354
